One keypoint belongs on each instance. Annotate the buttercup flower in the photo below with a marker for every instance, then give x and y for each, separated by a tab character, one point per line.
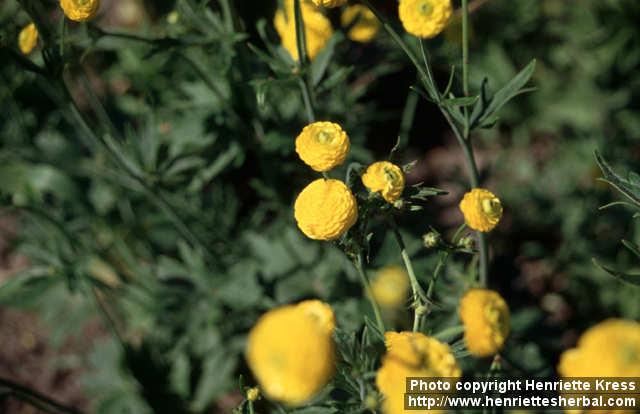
329	3
28	38
80	10
482	210
322	145
385	178
366	25
390	287
608	349
318	28
325	209
291	351
485	316
425	18
411	354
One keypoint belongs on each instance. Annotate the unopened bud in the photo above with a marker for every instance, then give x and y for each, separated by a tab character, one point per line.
466	242
253	394
431	239
399	204
371	402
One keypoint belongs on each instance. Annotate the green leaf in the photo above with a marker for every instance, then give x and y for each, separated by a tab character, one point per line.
463	101
624	277
24	290
321	62
512	89
630	189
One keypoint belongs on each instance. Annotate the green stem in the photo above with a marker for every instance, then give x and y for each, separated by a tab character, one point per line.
63	27
465	47
36	399
251	411
303	62
367	288
408	115
419	297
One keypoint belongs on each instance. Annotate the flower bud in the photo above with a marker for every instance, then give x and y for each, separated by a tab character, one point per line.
431	239
466	242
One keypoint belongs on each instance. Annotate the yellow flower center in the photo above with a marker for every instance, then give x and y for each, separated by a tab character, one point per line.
325	137
425	8
491	207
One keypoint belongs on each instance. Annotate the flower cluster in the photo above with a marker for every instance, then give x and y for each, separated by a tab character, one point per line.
608	349
291	351
485	316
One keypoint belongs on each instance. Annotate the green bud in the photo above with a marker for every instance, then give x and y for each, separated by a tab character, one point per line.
466	242
431	239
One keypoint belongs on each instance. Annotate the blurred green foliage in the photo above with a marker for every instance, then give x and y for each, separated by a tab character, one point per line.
152	170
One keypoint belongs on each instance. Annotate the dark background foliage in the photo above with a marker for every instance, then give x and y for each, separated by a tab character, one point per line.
153	221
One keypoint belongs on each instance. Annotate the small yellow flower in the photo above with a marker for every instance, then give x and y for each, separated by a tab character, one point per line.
608	349
28	38
329	3
425	18
485	316
366	25
318	28
325	209
385	178
390	287
80	10
253	393
411	354
291	351
322	145
482	210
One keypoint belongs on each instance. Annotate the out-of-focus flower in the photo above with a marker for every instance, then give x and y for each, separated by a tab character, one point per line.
385	178
28	38
390	287
291	351
318	28
325	209
485	316
411	354
322	145
482	210
80	10
425	18
608	349
329	3
366	24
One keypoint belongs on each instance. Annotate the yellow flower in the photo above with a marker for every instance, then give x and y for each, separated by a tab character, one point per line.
425	18
80	10
385	178
253	393
390	287
318	28
485	316
291	351
28	38
411	354
608	349
366	25
325	209
329	3
482	210
322	145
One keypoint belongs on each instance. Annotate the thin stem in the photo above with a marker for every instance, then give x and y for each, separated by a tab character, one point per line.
303	61
251	410
367	288
408	115
419	297
36	399
306	98
465	47
63	28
